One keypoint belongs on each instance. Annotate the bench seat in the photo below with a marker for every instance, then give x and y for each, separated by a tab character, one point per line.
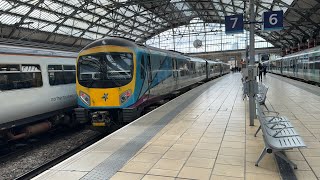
278	135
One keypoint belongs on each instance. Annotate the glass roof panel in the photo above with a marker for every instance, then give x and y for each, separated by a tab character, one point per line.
102	30
76	3
44	15
9	19
103	2
64	30
21	10
76	23
4	5
182	6
57	7
226	1
48	27
100	11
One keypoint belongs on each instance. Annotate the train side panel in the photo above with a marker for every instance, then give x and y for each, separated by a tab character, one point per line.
23	105
303	65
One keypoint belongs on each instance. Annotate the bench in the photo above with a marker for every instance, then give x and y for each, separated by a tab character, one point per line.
245	88
262	94
278	135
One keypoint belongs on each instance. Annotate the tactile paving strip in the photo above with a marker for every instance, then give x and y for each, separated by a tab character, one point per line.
118	159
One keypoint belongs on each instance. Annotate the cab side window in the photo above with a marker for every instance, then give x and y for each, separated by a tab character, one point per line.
142	68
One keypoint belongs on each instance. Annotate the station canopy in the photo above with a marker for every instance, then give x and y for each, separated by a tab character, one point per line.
72	24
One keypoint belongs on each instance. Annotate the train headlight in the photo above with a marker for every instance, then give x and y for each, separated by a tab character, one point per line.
85	98
125	96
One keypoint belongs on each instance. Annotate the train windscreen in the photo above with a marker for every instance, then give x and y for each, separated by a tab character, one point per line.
105	70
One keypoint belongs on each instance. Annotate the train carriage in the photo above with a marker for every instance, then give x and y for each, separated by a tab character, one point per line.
117	78
35	85
304	65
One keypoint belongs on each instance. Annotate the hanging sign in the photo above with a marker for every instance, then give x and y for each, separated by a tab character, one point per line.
273	20
234	24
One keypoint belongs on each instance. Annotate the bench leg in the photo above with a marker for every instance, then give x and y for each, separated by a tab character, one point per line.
279	154
255	134
263	153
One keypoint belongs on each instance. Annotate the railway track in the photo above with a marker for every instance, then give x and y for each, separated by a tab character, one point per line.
38	170
25	158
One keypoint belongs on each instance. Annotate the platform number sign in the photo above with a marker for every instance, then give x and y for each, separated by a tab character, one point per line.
234	24
273	20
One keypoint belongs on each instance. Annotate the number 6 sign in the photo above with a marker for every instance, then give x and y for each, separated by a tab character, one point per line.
272	20
234	24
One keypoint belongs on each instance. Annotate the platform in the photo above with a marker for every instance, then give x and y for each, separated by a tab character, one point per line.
202	134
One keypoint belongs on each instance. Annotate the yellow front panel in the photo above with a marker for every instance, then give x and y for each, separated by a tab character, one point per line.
97	95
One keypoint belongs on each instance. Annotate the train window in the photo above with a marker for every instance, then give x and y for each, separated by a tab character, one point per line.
13	76
61	74
183	67
69	73
317	63
69	67
55	74
9	67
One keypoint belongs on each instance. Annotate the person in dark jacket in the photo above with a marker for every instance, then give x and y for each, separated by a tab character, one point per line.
260	68
264	70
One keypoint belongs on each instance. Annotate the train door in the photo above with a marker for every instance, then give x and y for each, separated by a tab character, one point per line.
175	73
305	67
312	68
207	70
294	66
317	68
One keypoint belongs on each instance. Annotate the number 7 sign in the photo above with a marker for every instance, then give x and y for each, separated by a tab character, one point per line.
272	20
234	24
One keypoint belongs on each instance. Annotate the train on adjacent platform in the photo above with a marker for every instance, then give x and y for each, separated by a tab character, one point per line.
117	78
37	90
303	65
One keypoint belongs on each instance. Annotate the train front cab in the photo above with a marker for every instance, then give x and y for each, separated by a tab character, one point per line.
105	83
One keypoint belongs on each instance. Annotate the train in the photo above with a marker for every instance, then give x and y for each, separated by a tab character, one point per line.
37	90
118	78
303	65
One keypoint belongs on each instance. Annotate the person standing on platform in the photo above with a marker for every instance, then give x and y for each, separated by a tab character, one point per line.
260	68
264	70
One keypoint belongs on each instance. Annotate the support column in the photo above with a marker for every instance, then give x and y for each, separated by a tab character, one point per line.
252	76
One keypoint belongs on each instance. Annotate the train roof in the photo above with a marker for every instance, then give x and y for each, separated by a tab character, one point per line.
119	41
34	51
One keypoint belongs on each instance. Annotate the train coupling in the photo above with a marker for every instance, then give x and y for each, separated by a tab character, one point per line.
101	118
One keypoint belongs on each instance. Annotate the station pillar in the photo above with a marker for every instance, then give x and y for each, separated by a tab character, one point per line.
251	68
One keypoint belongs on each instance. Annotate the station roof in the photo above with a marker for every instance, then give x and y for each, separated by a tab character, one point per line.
72	24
